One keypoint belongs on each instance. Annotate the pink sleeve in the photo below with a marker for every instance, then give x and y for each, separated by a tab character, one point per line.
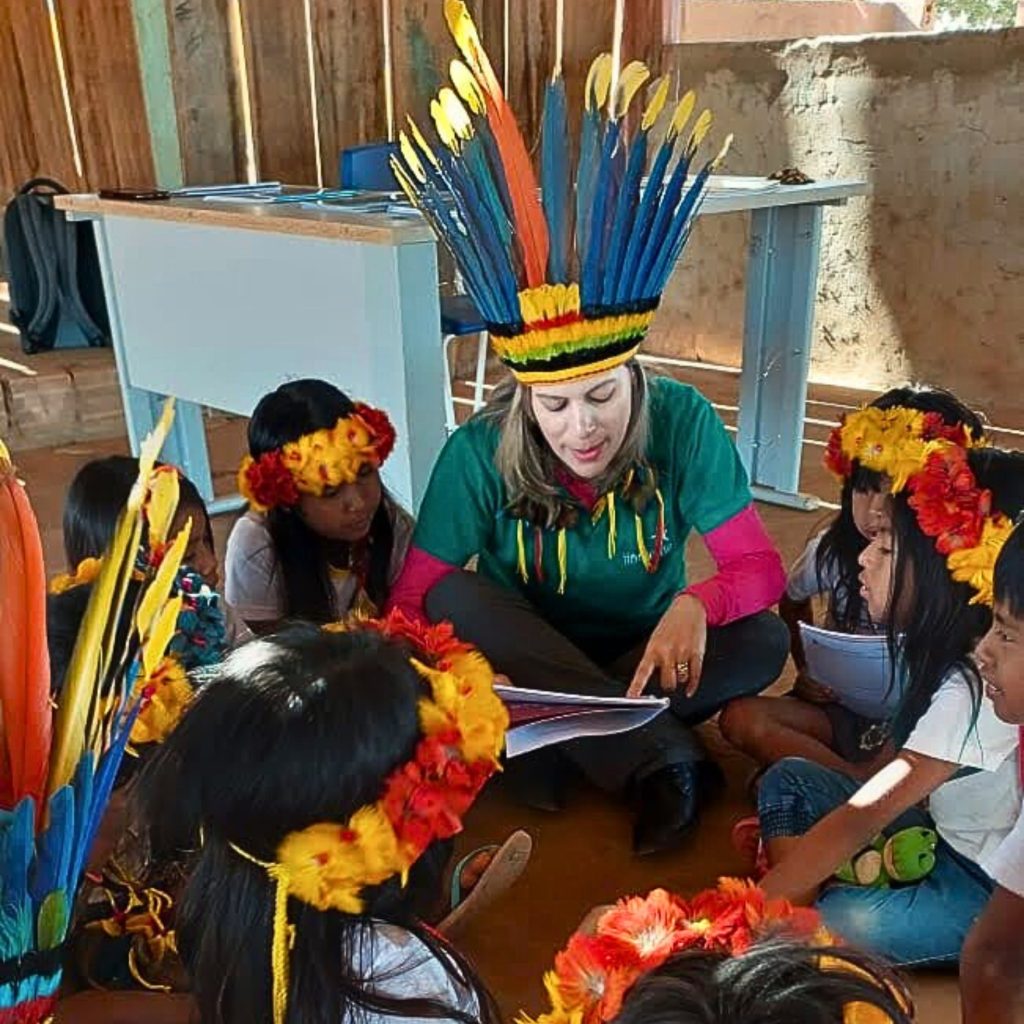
750	576
420	573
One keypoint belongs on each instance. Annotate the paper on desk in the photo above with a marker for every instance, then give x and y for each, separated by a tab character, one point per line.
541	718
855	667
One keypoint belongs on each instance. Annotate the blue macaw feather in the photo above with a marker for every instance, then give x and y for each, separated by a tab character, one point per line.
492	277
588	167
437	209
17	846
496	270
604	192
625	289
655	240
103	785
54	845
625	211
680	229
480	170
556	188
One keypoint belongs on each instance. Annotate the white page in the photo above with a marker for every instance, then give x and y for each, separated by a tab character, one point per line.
523	739
855	667
523	695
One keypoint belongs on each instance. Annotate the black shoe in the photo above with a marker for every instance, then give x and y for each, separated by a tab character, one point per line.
536	780
668	803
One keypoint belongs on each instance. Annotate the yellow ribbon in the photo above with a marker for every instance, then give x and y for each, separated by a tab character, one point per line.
284	934
521	552
611	523
563	560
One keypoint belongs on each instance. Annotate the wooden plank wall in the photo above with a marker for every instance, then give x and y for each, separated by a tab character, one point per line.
310	74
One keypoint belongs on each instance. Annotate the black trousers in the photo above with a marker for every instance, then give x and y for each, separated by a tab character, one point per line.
741	659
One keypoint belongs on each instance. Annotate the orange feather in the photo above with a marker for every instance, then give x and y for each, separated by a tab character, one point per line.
530	226
24	658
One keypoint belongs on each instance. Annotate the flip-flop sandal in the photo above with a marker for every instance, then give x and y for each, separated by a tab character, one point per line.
746	841
507	864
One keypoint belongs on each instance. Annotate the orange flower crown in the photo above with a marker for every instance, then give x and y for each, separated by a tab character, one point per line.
318	461
463	721
921	454
595	972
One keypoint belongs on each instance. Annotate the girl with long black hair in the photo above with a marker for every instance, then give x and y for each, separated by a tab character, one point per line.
810	722
926	574
314	859
322	536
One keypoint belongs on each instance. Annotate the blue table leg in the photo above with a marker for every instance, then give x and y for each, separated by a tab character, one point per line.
185	446
782	274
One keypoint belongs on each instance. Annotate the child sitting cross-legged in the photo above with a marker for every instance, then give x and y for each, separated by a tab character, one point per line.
810	722
929	577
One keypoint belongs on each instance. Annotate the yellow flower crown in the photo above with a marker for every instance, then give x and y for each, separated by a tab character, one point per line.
463	722
922	454
318	461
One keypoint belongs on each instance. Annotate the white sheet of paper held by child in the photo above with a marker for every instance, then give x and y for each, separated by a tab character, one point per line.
856	668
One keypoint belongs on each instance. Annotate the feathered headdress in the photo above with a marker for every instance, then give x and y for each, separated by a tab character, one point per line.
54	785
566	288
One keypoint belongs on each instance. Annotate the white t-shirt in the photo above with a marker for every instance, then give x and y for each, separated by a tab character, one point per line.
1006	863
398	964
255	586
973	814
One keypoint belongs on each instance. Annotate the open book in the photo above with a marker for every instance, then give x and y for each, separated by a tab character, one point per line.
855	667
539	718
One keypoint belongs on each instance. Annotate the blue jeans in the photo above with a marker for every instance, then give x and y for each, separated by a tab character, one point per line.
922	923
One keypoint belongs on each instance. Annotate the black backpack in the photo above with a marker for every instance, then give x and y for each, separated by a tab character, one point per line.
57	296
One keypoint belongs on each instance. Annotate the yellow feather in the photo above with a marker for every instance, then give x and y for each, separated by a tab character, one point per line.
633	76
445	131
465	85
403	180
700	129
467	39
456	113
159	590
164	491
411	157
599	82
155	645
422	142
656	104
79	720
684	109
722	152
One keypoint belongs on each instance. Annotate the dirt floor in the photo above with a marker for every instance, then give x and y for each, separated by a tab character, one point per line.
582	857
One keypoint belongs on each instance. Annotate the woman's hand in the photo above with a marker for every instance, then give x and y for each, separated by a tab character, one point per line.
676	648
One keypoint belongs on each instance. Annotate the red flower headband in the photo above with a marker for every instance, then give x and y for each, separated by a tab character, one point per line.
318	461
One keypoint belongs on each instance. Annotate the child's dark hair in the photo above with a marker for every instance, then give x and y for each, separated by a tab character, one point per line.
294	409
944	626
296	729
771	983
1009	577
842	542
96	497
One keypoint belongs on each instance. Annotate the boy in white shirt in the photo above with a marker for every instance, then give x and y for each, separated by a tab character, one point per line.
992	960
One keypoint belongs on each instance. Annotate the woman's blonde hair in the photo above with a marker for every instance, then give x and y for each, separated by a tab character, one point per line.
527	464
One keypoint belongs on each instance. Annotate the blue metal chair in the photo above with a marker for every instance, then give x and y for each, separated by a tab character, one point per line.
368	167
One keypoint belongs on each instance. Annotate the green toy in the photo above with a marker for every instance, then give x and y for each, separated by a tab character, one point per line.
905	857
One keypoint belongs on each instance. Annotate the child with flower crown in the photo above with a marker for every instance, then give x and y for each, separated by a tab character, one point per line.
991	964
322	536
926	574
810	722
315	784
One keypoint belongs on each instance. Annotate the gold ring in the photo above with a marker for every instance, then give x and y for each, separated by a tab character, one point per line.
682	670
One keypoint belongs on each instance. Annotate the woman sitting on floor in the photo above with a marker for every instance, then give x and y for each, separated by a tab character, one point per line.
577	488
